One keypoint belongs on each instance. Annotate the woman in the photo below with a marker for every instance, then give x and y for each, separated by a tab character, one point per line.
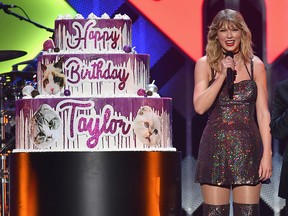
279	130
234	153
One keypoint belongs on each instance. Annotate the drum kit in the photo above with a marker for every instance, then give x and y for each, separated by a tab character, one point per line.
11	84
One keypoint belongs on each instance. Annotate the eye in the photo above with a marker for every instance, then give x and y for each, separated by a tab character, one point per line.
57	79
39	138
46	81
51	124
155	131
41	135
146	124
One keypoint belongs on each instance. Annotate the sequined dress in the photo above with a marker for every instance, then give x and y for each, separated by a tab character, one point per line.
230	149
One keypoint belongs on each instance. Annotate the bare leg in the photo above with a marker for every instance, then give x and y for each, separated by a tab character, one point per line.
216	200
215	195
246	200
247	194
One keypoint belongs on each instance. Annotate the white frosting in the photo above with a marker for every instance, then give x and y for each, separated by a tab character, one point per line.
59	17
78	16
151	149
85	52
155	95
67	16
105	16
26	91
93	16
120	16
134	50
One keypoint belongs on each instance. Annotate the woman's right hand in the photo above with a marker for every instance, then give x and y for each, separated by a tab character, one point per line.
226	63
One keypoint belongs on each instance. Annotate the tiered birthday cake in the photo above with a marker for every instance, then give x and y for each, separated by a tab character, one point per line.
93	93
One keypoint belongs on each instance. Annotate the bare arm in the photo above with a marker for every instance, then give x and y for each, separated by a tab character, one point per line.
205	95
263	118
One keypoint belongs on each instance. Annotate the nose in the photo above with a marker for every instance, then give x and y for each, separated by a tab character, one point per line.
229	34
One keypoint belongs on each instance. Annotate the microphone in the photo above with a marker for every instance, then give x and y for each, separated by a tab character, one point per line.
6	6
230	76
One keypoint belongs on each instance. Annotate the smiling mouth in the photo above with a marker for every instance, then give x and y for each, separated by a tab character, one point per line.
230	42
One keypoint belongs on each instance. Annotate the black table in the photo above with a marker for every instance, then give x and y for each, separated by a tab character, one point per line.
95	183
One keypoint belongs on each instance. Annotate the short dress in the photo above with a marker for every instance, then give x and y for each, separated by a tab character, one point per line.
230	148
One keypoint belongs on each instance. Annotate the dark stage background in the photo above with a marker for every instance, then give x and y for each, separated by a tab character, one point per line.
174	47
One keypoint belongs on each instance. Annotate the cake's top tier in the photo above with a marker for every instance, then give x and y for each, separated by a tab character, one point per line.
94	34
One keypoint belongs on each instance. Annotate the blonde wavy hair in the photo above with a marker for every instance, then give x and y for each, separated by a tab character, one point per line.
214	51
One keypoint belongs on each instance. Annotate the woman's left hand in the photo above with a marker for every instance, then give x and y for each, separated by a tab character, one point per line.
265	169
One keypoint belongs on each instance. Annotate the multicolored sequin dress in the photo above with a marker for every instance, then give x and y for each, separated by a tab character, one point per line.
230	148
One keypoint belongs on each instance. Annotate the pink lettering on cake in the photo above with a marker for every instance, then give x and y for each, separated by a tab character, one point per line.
79	71
85	121
90	36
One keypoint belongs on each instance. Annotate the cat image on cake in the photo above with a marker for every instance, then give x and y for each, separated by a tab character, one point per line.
45	127
53	77
147	127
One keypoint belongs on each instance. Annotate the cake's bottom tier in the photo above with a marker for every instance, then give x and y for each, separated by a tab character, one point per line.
95	183
93	124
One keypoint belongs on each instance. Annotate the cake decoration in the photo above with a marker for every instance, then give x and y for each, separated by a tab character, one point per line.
93	92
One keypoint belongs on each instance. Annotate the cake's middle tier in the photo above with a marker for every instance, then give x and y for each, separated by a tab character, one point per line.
95	124
93	74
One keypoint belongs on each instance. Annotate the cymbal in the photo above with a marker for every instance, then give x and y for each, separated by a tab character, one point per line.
20	74
8	111
11	54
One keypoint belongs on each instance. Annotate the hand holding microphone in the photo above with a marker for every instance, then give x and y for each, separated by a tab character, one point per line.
230	76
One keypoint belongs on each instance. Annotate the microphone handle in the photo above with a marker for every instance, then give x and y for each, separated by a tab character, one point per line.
230	82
